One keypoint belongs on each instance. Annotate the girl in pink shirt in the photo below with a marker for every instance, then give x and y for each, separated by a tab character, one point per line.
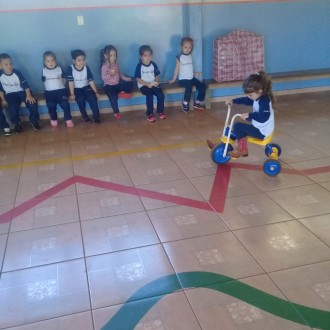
115	82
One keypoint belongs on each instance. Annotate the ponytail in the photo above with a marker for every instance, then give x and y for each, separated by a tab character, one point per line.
102	57
267	87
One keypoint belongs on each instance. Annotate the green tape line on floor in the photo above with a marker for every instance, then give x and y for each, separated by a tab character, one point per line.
133	310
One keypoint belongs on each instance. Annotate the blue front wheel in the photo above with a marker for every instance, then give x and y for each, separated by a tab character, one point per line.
269	149
217	153
272	167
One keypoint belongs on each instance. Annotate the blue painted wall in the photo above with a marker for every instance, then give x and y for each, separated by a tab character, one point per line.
126	28
296	34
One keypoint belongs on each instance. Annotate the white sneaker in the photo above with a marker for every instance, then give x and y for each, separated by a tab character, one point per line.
53	123
7	131
69	123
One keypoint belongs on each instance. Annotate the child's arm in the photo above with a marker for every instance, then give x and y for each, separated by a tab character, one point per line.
243	100
144	83
263	114
71	88
26	87
63	77
176	71
93	86
29	97
2	99
157	81
91	83
69	78
240	100
124	77
105	73
245	115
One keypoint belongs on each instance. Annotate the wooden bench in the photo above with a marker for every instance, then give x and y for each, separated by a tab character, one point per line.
219	91
277	80
168	89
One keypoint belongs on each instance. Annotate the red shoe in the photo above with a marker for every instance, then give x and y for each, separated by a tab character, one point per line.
210	144
117	116
241	151
124	95
161	116
151	118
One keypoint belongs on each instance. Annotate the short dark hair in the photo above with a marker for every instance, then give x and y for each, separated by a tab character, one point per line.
187	39
77	52
49	53
4	56
145	48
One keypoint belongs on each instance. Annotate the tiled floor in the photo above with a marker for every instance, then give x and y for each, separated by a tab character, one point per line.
96	215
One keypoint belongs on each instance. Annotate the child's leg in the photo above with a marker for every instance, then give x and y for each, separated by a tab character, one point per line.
33	109
51	102
187	85
201	89
3	121
62	99
112	93
242	130
149	99
14	101
160	99
81	101
92	100
125	86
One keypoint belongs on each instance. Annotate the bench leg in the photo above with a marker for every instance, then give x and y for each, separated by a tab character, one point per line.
208	98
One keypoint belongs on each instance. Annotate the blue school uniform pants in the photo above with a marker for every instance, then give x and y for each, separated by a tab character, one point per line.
149	93
14	101
83	95
58	97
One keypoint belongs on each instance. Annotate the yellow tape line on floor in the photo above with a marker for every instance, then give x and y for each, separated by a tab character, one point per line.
100	155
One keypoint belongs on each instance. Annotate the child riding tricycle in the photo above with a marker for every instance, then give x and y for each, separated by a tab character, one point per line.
258	89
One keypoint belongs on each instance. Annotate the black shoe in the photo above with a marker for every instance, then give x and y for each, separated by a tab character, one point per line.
18	128
35	125
185	107
86	119
7	131
97	121
199	106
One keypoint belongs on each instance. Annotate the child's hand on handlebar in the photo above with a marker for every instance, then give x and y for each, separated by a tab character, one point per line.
245	115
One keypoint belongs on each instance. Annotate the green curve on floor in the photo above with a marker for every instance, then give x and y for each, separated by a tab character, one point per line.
133	310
